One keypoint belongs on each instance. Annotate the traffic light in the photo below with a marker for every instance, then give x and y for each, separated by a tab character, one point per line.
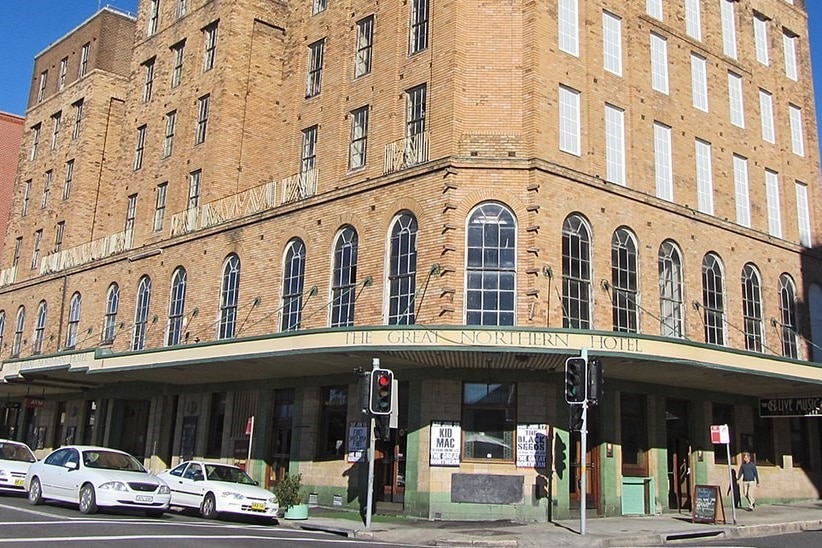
379	402
575	380
575	418
594	381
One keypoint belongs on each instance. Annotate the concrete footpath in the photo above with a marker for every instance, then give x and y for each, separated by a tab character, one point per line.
617	531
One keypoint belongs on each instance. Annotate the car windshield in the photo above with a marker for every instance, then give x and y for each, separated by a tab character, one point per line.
228	474
111	460
15	451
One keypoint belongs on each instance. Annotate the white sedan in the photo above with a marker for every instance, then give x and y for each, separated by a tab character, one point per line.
216	488
15	459
95	477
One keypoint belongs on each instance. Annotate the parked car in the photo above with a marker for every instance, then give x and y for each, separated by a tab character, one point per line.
96	477
215	488
15	459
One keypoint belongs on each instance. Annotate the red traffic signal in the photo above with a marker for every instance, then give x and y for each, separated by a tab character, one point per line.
380	398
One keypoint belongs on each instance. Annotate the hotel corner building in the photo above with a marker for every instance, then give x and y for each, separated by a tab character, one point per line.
224	209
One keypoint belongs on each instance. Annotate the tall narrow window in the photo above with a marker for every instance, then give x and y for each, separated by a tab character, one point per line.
774	208
663	162
491	266
182	8
148	79
110	318
569	121
612	42
44	202
752	308
803	215
168	139
78	118
735	100
73	327
35	141
19	324
365	44
576	273
229	298
766	115
568	21
344	278
787	315
139	147
293	284
760	26
789	47
18	249
84	54
699	82
177	54
56	124
69	178
160	206
153	17
61	76
615	144
41	89
308	160
693	19
176	307
131	213
141	309
728	17
402	270
633	420
418	26
24	209
654	8
415	111
313	82
704	177
210	46
35	253
671	299
2	326
659	63
713	299
359	138
318	6
59	234
624	282
797	130
39	328
741	191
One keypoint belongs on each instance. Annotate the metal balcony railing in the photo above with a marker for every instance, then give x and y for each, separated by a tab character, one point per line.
82	254
405	153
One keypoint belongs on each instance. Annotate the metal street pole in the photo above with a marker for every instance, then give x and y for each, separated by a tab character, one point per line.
250	439
583	457
731	485
375	364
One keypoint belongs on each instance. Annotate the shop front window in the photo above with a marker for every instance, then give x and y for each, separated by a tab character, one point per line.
489	420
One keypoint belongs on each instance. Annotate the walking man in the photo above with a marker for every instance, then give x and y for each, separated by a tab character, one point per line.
749	475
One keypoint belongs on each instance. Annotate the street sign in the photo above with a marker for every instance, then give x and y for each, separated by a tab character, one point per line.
720	434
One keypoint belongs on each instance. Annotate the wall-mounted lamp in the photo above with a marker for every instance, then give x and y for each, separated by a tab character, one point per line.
609	449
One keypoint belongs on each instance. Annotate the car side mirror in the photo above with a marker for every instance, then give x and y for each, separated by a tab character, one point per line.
72	465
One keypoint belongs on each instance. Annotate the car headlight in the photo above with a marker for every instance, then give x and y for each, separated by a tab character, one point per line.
3	473
273	500
164	490
232	495
114	486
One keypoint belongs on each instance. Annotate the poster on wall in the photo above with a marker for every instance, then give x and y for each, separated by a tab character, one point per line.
532	445
446	442
357	441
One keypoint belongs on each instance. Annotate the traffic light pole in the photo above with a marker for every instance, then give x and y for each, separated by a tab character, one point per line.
372	447
583	457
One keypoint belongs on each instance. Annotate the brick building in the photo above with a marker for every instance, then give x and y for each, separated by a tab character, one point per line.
267	197
11	135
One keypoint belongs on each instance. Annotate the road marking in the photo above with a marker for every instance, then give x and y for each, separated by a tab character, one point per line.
173	537
33	512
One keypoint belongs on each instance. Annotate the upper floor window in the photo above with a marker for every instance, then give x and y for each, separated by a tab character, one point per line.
313	82
160	206
168	138
576	273
176	307
787	315
699	82
84	54
797	130
18	249
728	17
139	147
194	181
26	198
789	45
365	45
766	116
693	19
774	209
182	8
41	89
68	179
415	111
568	22
210	46
402	270
131	212
654	8
359	138
141	309
110	318
803	216
752	308
491	266
671	298
44	202
570	134
418	26
2	326
202	119
229	298
344	278
317	6
741	191
308	159
177	54
61	76
293	283
59	234
148	79
624	282
56	124
612	42
153	17
39	328
35	141
713	299
19	324
78	118
735	99
659	63
704	176
35	254
663	162
73	327
615	144
760	25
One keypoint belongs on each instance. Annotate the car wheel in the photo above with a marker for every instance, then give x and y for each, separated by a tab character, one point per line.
35	492
209	507
88	500
155	513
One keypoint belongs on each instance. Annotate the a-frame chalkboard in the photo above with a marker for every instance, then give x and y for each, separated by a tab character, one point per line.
708	506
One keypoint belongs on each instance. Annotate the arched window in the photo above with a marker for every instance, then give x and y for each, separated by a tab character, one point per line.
18	332
402	270
138	339
576	273
787	313
229	297
752	308
293	284
39	328
73	320
110	318
713	299
625	288
490	286
671	309
344	282
176	307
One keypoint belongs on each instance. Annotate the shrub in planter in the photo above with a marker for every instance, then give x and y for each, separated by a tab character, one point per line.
289	491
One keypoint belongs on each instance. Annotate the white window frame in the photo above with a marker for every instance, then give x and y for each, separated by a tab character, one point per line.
61	76
84	55
699	81
736	100
766	116
318	6
568	26
358	147
41	88
760	26
797	130
612	43
742	195
728	16
570	138
314	72
68	179
364	46
663	162
168	138
693	19
789	47
615	144
803	214
209	46
139	147
774	208
153	17
659	63
161	196
704	176
202	119
178	53
654	8
57	123
195	179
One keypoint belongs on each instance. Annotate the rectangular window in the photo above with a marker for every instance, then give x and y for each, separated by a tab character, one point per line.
659	63
803	214
800	442
735	101
774	208
699	82
365	43
789	45
318	6
177	52
131	212
615	144
26	198
18	249
728	27
766	115
35	253
182	8
153	17
148	80
44	201
333	422
84	53
693	19
56	124
654	8
35	141
724	414
359	138
797	131
41	90
663	163
160	206
741	192
568	20
704	177
308	159
202	119
612	43
313	80
633	420
569	121
194	180
78	118
415	111
61	76
59	232
760	26
489	421
168	139
763	446
68	179
210	46
139	147
418	26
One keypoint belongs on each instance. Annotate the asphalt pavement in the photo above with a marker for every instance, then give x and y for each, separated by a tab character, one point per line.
654	530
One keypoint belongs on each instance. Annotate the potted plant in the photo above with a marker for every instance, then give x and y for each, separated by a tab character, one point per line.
290	497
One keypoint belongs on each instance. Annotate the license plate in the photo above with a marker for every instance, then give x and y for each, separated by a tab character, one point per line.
258	506
144	498
19	482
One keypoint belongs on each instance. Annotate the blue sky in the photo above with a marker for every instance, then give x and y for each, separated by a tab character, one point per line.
29	26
